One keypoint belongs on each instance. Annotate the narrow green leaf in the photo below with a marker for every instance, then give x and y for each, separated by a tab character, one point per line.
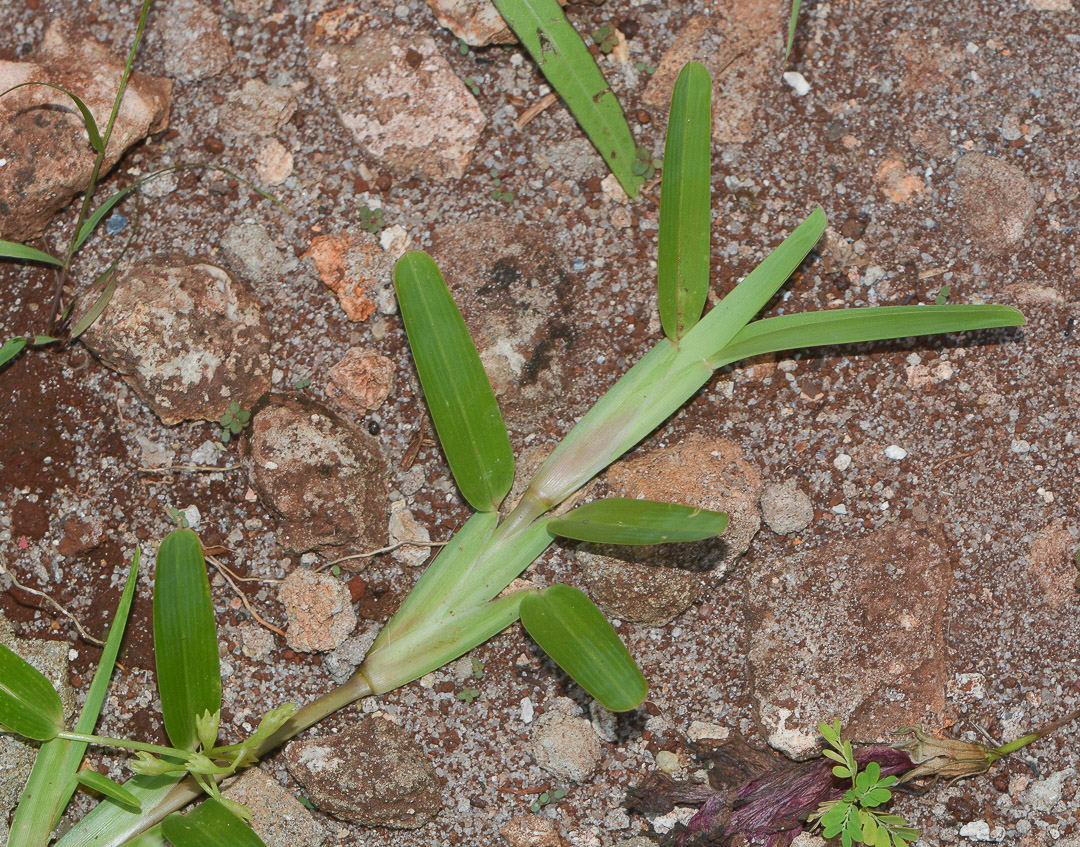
458	393
792	22
850	326
12	348
101	783
576	635
185	638
91	223
721	324
564	59
618	520
428	645
29	705
209	825
150	838
14	250
682	271
49	788
88	117
94	312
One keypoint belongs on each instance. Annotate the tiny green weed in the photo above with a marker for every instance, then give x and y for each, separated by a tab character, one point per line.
545	798
472	85
606	37
371	219
854	817
468	694
233	421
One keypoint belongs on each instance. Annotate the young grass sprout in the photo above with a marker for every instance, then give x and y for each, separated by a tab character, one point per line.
461	600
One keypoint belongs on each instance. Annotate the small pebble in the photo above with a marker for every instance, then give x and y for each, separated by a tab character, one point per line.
895	452
842	462
797	82
667	761
115	224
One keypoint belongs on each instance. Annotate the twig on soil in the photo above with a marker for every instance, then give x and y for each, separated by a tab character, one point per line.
539	789
227	574
535	109
86	635
954	458
189	468
389	549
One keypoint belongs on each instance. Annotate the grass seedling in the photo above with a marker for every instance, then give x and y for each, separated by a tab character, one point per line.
461	601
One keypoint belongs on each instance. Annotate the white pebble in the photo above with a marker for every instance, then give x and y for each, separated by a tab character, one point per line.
526	710
842	462
895	452
1019	445
840	509
797	82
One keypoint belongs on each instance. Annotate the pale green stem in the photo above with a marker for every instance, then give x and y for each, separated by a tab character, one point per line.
1023	741
125	744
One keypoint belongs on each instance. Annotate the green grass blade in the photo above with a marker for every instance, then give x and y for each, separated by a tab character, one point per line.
94	312
792	23
185	638
12	348
577	636
209	825
111	823
91	223
433	643
851	326
458	393
49	788
87	116
719	326
618	520
29	705
682	272
102	784
564	59
14	250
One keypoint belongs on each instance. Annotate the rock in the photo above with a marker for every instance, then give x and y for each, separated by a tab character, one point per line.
273	162
700	730
1044	794
851	633
518	296
732	28
1050	565
371	773
192	42
17	757
252	252
258	108
531	831
565	743
362	380
652	585
43	141
355	267
349	655
996	200
278	818
321	475
81	536
405	527
785	508
896	183
319	608
397	95
255	642
476	22
187	336
251	10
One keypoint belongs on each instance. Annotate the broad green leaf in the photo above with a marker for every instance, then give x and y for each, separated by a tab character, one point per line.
564	59
29	705
49	788
87	116
869	828
209	825
792	22
185	638
738	308
150	838
682	272
457	390
625	521
576	635
850	326
101	783
12	348
94	312
14	250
